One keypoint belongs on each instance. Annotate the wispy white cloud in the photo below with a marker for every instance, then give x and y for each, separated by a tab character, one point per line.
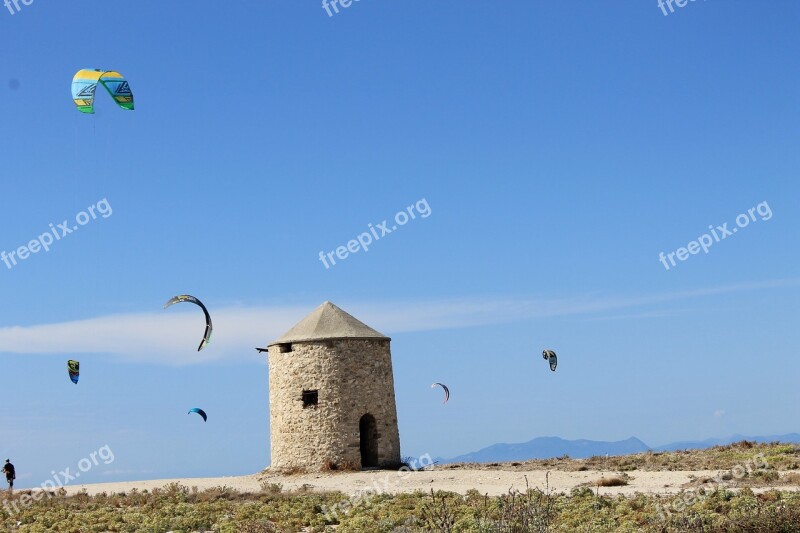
430	315
171	337
633	316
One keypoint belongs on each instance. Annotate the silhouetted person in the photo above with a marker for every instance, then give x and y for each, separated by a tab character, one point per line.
11	474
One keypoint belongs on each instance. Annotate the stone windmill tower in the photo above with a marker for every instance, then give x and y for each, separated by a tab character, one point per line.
331	395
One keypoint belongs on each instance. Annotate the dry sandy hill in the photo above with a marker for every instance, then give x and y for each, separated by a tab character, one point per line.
493	482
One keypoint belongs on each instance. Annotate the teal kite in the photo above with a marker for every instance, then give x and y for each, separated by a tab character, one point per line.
199	412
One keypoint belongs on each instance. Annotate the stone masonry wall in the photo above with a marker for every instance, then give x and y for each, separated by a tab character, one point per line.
354	377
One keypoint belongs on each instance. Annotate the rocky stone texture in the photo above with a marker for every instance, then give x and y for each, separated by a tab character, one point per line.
353	378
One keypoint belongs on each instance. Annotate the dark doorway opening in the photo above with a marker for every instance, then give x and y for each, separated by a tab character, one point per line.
368	430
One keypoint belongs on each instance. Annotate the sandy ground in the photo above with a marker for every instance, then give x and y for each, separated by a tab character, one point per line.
493	482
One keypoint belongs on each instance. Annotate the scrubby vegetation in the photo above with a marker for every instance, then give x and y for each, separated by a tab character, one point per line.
780	457
180	509
704	505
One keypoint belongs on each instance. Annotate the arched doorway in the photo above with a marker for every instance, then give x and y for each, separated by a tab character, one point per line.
368	431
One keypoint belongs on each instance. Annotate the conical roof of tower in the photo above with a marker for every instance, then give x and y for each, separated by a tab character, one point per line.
329	322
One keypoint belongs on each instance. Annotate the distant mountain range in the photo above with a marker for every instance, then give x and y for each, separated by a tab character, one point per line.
547	447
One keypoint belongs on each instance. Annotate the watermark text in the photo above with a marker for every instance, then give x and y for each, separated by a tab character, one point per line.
56	233
60	479
720	233
363	241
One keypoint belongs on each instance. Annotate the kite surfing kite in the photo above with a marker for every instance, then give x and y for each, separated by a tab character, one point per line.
551	358
85	82
187	298
446	391
199	412
74	369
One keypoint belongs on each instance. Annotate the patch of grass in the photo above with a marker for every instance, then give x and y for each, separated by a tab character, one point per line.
792	478
615	481
271	488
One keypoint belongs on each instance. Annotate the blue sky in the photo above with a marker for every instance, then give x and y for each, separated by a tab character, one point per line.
560	146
